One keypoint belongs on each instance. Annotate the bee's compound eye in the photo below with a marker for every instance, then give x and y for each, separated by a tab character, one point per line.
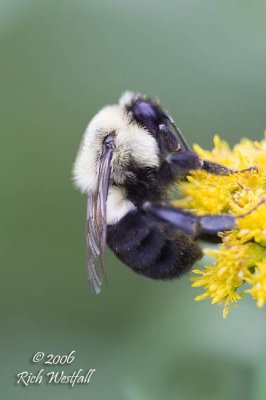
144	110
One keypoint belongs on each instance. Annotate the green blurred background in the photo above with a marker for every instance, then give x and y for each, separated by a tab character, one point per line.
60	62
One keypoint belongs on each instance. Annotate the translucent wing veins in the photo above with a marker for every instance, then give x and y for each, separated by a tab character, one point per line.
96	218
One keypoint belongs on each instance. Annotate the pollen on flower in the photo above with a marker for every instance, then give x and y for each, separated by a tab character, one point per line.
240	259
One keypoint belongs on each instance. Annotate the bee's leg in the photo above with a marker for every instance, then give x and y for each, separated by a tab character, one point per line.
181	162
188	223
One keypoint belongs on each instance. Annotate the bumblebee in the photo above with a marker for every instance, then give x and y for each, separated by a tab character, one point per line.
130	155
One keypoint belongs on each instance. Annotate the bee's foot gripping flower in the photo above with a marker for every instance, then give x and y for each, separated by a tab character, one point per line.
241	258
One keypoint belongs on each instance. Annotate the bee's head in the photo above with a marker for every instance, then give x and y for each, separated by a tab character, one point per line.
140	140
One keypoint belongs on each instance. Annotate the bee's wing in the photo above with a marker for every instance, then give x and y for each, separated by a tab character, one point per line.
96	221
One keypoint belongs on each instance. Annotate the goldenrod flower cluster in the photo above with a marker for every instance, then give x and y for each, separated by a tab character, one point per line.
241	257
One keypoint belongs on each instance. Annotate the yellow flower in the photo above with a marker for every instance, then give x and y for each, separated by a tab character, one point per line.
258	282
241	257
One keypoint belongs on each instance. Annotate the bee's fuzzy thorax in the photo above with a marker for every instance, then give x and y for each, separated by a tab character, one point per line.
133	144
117	205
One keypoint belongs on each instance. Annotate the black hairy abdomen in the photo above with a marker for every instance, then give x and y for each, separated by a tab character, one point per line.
150	250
